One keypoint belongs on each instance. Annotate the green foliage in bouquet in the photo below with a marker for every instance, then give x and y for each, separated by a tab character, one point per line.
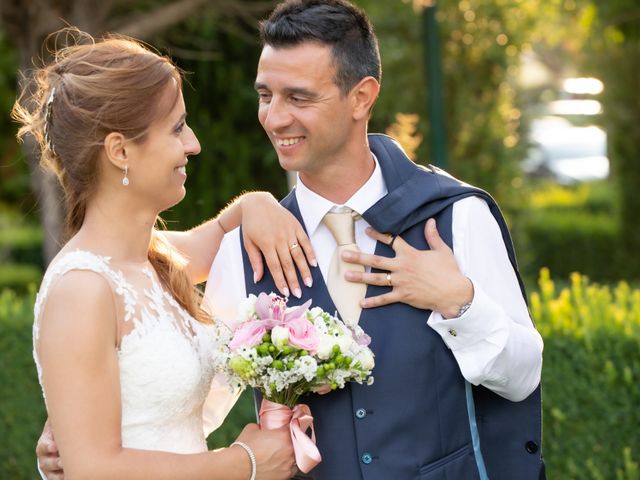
591	378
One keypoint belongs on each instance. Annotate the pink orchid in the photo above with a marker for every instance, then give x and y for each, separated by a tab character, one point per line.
248	334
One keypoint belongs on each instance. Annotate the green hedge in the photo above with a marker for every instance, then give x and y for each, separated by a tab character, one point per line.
19	276
591	383
570	229
20	238
568	242
591	378
21	408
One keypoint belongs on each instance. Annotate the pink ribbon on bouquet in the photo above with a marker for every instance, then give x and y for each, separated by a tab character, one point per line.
274	415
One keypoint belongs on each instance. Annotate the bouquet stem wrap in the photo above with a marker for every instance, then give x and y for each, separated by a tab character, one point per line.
275	415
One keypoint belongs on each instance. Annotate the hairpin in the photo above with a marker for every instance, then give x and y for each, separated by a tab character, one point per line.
47	121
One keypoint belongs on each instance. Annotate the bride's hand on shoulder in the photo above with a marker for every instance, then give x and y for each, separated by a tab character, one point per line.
273	451
270	230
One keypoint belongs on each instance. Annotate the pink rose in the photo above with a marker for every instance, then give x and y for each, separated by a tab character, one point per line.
303	334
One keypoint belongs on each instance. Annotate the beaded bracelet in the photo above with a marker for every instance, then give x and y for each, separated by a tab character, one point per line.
252	458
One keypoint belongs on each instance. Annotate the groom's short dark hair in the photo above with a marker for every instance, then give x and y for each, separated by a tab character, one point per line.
336	23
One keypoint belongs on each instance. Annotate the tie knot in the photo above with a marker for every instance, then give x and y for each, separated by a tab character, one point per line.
342	226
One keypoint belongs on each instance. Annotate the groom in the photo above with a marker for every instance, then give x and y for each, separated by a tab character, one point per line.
318	79
456	393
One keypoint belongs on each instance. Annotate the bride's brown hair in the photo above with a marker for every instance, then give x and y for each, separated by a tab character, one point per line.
110	85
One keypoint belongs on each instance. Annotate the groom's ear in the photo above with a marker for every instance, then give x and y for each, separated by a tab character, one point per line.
363	96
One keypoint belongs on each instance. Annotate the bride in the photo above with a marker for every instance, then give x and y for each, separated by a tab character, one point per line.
126	356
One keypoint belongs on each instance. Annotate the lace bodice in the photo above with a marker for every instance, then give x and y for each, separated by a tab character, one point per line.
167	359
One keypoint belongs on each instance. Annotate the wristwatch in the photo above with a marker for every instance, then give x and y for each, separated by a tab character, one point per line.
463	308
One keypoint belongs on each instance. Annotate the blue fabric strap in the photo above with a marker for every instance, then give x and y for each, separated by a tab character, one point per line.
475	435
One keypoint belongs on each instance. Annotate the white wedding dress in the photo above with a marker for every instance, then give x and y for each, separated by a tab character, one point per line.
172	393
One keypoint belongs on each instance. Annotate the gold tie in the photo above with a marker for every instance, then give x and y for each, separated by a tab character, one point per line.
345	295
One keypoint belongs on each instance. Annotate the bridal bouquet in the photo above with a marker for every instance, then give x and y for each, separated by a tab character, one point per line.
287	352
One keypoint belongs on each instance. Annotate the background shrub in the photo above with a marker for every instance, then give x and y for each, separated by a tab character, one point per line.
591	376
570	229
591	383
21	407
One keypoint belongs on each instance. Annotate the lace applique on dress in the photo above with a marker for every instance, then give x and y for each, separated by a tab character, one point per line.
167	359
79	260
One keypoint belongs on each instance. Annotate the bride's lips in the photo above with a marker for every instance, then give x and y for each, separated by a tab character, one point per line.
182	169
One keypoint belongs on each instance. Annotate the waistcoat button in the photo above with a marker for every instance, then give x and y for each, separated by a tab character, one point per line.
361	413
366	458
531	447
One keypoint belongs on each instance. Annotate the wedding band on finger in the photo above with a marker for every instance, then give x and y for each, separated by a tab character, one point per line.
293	246
389	279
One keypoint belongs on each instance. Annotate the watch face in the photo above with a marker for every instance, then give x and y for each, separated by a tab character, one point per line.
463	309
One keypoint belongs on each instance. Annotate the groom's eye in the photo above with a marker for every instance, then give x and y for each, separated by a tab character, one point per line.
264	97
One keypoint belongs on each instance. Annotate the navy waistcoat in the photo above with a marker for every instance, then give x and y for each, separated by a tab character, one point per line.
420	419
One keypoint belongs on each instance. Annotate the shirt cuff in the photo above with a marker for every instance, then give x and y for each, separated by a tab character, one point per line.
482	327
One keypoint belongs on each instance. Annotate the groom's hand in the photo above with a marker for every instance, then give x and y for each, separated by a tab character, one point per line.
49	461
425	279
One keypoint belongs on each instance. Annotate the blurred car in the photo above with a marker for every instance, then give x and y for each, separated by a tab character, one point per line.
565	152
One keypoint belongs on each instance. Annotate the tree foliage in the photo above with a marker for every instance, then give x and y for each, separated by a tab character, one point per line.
481	43
29	27
222	104
614	49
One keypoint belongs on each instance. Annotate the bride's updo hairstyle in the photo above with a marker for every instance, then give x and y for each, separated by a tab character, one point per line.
90	89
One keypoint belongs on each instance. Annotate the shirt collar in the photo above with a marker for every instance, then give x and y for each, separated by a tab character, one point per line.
313	207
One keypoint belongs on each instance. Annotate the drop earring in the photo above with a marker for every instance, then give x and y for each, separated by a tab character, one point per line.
125	179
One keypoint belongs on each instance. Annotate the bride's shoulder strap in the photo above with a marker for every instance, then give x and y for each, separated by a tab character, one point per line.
84	260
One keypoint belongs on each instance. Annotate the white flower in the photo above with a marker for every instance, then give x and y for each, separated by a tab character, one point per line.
320	324
365	358
247	308
280	336
345	342
306	367
325	346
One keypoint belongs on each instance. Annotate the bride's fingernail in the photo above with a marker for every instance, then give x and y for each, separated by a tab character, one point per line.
314	262
347	255
308	282
285	291
297	293
255	277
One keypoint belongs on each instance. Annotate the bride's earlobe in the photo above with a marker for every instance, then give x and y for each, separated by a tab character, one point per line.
115	149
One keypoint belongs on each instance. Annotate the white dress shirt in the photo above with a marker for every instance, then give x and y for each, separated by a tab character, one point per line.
494	341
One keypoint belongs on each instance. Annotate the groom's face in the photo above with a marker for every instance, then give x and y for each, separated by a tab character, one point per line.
308	120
